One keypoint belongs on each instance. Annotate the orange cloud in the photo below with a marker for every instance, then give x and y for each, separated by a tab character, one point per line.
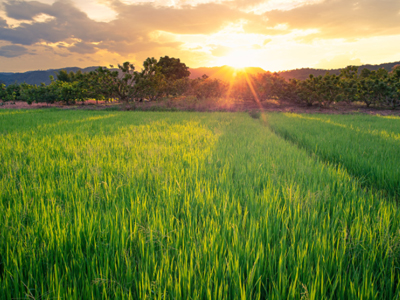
135	30
347	19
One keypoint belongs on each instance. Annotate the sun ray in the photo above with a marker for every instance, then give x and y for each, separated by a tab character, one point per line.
254	92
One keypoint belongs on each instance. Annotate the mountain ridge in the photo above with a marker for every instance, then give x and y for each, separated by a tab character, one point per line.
304	73
225	73
37	76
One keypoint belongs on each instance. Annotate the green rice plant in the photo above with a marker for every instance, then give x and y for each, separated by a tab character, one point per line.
158	205
386	126
367	146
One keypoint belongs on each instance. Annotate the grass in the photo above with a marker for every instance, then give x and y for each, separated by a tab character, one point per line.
157	205
367	146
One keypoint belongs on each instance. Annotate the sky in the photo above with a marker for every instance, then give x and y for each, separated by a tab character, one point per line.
272	34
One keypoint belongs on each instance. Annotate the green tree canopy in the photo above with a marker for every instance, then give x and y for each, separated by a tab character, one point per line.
172	68
64	76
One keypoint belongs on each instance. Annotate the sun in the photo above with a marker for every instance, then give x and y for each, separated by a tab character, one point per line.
239	59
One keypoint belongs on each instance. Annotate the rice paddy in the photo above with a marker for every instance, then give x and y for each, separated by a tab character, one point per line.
367	146
151	205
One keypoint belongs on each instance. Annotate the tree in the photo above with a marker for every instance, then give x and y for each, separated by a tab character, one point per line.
177	87
365	73
395	69
28	93
172	68
12	92
205	88
64	76
126	84
330	89
350	72
393	97
348	83
3	91
104	84
48	93
150	83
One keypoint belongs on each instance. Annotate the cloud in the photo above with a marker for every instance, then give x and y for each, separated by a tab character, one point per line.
256	27
67	22
201	19
3	23
129	33
196	48
346	19
220	51
12	51
22	10
342	60
83	48
142	28
267	41
247	3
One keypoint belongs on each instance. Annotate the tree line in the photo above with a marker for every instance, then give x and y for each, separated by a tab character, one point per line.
378	88
169	77
124	84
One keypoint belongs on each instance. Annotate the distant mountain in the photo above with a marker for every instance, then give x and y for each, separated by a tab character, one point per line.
37	77
225	73
305	72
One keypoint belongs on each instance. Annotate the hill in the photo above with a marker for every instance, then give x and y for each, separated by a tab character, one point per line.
304	73
37	77
225	73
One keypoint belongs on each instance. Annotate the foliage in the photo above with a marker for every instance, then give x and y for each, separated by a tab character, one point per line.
378	88
205	88
177	87
150	83
173	68
64	76
107	84
127	84
68	92
12	92
3	91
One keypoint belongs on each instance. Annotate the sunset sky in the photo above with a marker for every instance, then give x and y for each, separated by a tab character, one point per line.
272	34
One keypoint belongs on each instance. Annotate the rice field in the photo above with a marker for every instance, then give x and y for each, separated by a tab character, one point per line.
151	205
367	146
